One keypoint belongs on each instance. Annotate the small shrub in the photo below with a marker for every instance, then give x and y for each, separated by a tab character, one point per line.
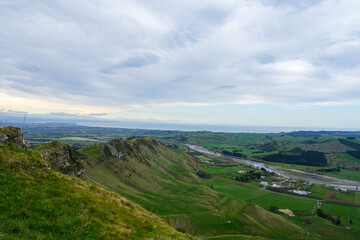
273	208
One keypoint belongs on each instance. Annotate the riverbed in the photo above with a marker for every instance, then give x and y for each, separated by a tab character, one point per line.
287	172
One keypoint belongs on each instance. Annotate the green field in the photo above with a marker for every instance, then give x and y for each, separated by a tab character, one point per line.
300	206
39	203
351	196
163	181
345	174
318	190
207	207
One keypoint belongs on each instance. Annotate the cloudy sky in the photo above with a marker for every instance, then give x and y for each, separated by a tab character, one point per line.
226	62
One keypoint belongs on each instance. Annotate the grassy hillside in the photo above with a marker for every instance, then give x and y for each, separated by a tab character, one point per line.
332	146
163	181
38	203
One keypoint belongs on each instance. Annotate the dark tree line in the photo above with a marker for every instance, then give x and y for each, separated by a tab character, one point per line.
234	153
329	217
335	169
353	145
249	176
308	158
203	174
355	154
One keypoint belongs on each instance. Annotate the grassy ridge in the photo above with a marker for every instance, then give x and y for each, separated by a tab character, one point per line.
226	210
38	203
163	181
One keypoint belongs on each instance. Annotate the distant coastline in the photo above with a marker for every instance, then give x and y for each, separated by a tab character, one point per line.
212	128
152	125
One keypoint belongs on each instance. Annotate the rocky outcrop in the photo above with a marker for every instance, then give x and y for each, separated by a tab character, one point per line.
131	147
62	158
13	134
114	148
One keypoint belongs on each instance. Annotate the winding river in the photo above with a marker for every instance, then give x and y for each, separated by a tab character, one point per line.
287	172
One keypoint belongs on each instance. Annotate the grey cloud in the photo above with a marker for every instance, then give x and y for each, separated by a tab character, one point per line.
132	62
26	89
102	54
139	61
265	58
74	115
29	68
97	114
300	4
225	87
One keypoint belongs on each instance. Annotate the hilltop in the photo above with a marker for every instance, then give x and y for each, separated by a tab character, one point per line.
39	203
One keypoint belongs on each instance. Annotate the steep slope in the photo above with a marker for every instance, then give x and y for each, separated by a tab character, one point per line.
163	180
38	203
142	163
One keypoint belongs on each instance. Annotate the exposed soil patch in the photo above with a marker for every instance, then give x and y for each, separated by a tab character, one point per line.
287	212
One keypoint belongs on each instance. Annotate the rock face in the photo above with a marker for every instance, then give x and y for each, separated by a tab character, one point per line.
62	158
122	148
114	148
13	134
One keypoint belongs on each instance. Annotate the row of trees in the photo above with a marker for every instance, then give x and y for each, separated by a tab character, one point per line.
249	176
329	217
309	158
335	169
234	153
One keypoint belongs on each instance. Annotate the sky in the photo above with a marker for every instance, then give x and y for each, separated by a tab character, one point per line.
216	62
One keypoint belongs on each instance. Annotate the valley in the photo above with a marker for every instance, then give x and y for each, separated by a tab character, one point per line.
192	183
179	120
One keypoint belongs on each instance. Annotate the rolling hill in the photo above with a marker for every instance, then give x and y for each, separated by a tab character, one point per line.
39	203
163	180
332	146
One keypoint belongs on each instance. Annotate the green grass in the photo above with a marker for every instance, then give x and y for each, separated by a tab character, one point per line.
351	196
320	190
345	174
350	158
187	201
223	170
162	184
38	203
345	212
300	207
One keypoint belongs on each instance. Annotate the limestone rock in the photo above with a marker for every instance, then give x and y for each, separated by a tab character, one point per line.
13	134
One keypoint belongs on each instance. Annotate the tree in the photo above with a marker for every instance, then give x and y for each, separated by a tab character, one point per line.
273	208
338	221
350	221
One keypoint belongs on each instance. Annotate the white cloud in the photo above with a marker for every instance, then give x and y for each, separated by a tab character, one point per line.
116	55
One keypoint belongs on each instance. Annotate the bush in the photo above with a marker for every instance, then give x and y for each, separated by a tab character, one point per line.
329	217
274	209
203	174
